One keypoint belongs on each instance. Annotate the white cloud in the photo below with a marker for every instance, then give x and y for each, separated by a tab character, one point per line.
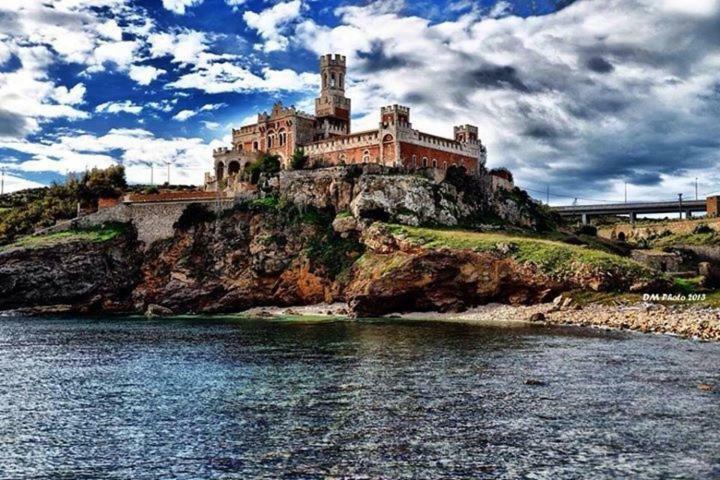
183	115
220	77
144	74
73	96
271	23
186	47
110	30
14	183
186	114
179	6
121	54
213	106
189	157
126	106
694	7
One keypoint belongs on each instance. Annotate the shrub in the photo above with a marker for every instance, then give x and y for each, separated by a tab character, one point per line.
590	230
299	159
703	228
193	215
265	164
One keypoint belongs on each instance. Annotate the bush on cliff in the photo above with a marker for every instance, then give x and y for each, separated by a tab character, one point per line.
267	164
299	159
193	215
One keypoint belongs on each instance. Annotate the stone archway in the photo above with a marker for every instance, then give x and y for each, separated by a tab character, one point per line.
233	168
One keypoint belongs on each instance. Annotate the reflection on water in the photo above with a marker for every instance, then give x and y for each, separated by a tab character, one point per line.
257	399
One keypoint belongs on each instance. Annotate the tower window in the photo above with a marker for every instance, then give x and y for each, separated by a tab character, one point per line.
332	80
425	162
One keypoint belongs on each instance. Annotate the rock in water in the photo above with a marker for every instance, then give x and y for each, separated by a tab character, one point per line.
154	310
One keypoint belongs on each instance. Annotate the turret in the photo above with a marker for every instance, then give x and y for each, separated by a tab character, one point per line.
332	108
395	115
467	134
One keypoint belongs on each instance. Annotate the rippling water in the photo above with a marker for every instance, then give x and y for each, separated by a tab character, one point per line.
270	399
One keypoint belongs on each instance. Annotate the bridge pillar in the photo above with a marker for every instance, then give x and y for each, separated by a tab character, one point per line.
584	218
633	218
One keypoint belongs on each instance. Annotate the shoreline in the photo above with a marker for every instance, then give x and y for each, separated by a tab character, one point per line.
691	322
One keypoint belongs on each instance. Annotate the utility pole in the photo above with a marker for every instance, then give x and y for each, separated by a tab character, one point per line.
680	204
625	192
548	195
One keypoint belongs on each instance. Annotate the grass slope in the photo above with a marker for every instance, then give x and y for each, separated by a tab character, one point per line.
550	256
92	235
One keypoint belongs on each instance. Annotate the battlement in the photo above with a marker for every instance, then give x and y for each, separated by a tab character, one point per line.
333	60
466	133
400	109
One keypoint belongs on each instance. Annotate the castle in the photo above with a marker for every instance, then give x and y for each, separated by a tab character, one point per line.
326	137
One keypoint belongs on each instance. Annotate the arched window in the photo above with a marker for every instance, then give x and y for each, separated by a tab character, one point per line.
332	80
434	163
342	81
343	159
282	136
425	162
255	146
414	161
366	156
444	165
233	168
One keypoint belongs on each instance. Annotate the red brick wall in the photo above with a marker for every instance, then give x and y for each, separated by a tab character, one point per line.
713	206
352	155
444	159
107	202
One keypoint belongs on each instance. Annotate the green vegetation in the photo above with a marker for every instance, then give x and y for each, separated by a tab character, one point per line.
335	254
267	164
551	257
711	238
88	235
268	203
544	219
299	159
43	207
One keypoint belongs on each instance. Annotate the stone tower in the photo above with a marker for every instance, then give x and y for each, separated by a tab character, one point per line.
332	108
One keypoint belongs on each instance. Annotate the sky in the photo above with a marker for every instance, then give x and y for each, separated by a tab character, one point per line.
580	96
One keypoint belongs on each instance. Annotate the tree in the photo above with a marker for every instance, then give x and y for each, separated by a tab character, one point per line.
298	160
267	163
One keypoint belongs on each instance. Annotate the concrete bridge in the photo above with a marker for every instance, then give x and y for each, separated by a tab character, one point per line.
632	209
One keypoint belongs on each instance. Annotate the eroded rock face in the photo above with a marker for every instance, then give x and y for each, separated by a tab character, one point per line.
372	192
83	277
442	280
241	261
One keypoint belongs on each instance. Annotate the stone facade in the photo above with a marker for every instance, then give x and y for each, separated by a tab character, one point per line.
327	140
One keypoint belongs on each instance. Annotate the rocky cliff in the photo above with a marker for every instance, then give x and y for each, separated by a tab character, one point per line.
334	235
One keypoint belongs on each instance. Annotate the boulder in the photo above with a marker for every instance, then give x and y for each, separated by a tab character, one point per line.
154	310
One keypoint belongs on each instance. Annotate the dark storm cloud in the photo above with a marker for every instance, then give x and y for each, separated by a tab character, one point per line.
12	124
645	179
501	77
377	59
599	65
